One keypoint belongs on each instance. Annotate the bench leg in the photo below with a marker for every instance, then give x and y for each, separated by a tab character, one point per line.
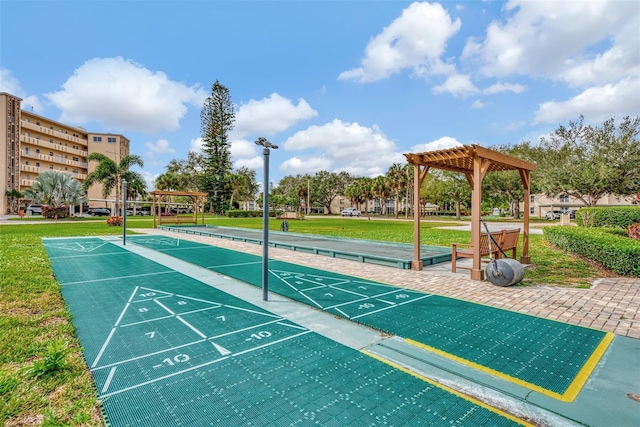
453	259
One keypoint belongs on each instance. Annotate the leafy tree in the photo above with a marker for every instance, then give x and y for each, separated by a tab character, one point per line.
326	186
216	121
56	189
456	189
110	174
14	197
189	170
505	189
250	187
588	162
168	181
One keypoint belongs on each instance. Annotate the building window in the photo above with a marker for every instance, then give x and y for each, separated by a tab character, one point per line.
27	163
75	159
111	140
51	127
75	171
26	134
26	176
533	199
97	139
27	120
564	198
532	211
37	136
37	164
38	123
51	167
50	140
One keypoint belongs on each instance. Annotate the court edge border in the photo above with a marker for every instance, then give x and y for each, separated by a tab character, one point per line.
572	390
448	389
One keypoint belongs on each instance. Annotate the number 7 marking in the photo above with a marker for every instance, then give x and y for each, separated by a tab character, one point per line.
151	334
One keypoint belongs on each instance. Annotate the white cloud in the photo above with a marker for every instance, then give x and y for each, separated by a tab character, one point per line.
9	84
415	40
477	104
457	85
196	145
124	96
596	103
504	87
341	146
438	144
559	40
161	146
149	178
252	163
270	115
242	148
310	165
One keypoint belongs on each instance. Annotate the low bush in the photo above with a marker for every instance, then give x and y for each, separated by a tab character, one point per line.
633	231
616	217
610	247
51	212
238	213
114	221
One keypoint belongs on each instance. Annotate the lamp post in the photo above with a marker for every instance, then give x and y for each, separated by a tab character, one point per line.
265	216
124	212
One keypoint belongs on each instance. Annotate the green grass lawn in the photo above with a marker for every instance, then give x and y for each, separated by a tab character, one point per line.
42	382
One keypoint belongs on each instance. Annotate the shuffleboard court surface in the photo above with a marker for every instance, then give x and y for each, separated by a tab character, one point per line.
165	349
547	356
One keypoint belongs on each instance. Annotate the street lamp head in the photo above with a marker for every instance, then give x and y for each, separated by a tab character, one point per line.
266	144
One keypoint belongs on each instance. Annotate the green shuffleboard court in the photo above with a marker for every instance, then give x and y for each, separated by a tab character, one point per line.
165	349
550	357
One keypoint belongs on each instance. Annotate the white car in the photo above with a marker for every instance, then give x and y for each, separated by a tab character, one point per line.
350	212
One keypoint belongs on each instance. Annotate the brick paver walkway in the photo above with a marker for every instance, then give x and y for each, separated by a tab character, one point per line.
612	304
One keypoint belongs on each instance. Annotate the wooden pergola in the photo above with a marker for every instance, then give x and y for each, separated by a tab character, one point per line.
474	161
197	203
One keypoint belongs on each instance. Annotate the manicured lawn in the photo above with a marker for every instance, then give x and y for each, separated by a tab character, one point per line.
43	383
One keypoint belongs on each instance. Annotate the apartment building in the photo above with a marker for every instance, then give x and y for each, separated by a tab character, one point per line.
31	144
540	204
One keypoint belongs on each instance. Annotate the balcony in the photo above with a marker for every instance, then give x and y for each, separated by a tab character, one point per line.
29	168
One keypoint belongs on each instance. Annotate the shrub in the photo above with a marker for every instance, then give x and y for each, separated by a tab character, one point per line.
51	211
633	231
237	213
114	221
616	217
610	247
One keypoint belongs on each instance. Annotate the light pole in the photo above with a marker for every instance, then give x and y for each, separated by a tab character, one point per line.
124	212
265	216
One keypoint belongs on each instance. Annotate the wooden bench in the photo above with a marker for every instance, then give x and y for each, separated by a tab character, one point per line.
507	240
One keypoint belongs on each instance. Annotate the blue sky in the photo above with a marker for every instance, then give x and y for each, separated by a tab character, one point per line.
338	85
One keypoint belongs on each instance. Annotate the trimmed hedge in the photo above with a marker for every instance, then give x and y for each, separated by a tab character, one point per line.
51	212
609	247
616	217
248	214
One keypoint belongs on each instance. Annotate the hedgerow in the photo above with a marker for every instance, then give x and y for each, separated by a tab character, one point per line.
615	217
610	247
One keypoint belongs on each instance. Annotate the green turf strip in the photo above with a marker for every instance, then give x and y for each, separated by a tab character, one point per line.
539	351
165	350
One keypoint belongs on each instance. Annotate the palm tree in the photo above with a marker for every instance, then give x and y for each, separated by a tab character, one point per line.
56	189
380	188
136	188
110	174
168	181
14	197
396	181
408	179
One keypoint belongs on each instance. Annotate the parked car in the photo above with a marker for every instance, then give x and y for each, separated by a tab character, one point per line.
350	212
34	210
143	212
99	212
555	214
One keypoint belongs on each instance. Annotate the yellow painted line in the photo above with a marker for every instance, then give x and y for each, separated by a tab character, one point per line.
450	390
568	396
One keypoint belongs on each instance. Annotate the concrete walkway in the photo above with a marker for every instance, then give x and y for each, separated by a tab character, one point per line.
612	304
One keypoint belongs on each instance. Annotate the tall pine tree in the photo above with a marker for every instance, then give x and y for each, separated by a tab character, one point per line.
216	121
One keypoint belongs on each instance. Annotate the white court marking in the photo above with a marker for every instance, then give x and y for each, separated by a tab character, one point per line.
260	338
